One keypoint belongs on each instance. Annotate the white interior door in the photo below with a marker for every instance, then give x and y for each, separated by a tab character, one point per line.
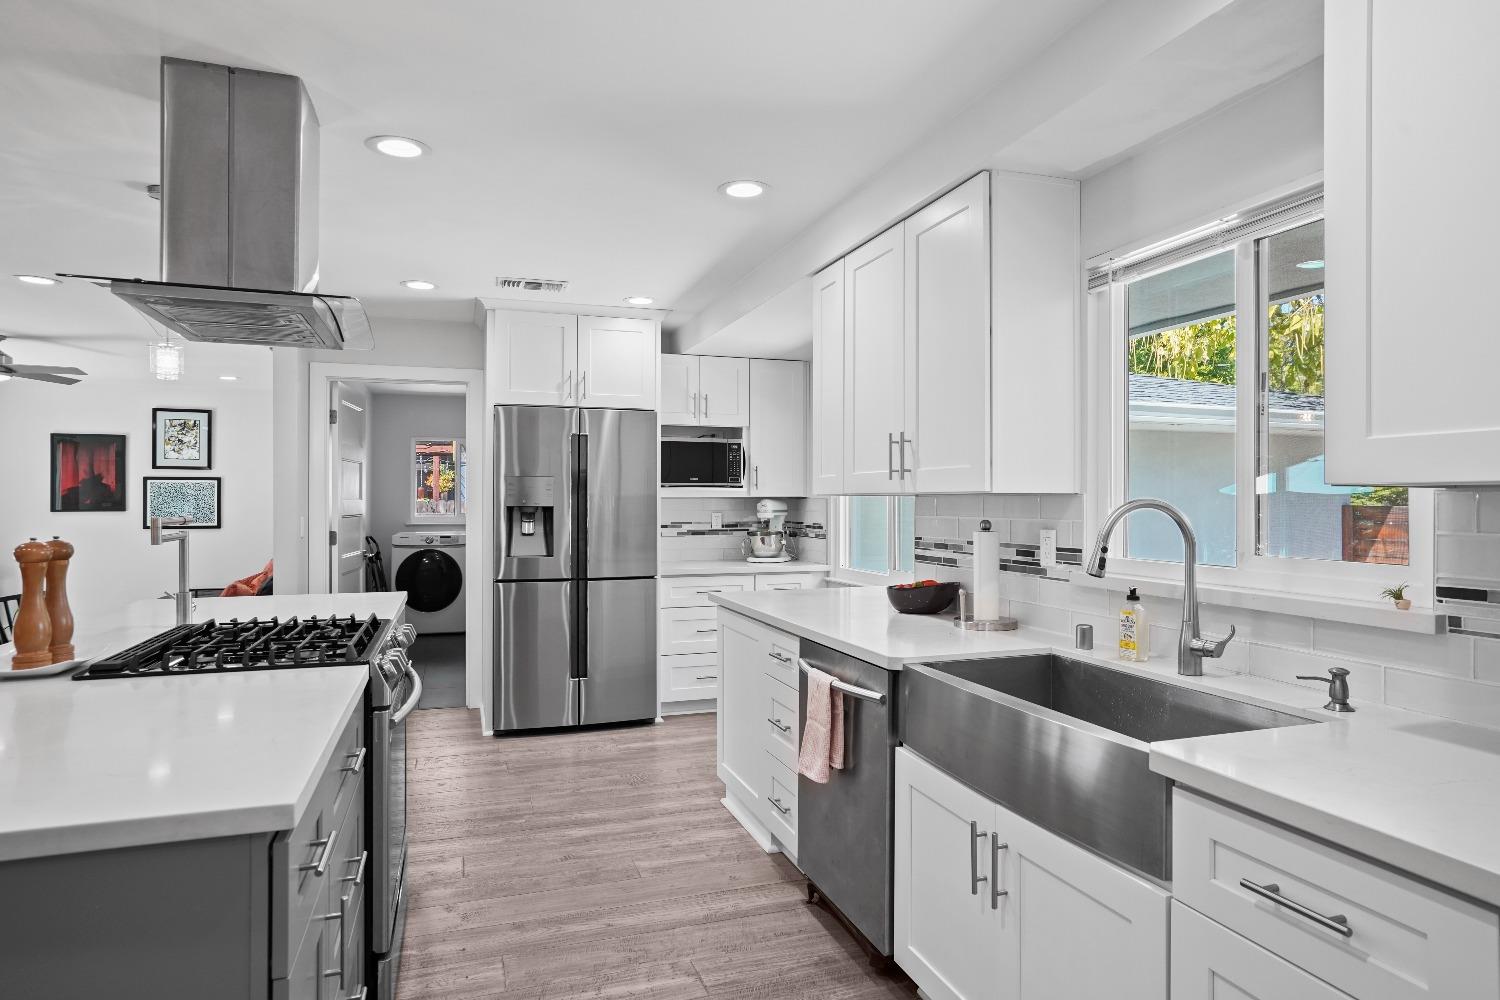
874	380
725	387
617	363
679	389
349	474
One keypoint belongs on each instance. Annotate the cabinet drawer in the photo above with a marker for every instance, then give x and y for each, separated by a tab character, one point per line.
694	591
1404	940
780	802
689	630
781	659
304	979
1211	962
782	726
297	889
689	676
788	581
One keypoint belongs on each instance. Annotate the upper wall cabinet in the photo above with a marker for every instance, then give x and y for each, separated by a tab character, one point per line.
705	391
828	380
874	366
1409	191
553	359
778	428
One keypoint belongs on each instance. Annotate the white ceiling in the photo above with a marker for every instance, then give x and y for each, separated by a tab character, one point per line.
571	139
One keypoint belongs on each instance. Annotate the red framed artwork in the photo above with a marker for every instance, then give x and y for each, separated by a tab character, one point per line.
88	472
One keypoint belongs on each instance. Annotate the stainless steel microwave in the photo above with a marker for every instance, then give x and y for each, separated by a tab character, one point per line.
715	462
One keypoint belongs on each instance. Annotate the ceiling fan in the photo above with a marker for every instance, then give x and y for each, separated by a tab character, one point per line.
37	373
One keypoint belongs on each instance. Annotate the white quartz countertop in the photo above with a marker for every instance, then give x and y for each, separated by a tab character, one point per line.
93	765
732	567
1414	792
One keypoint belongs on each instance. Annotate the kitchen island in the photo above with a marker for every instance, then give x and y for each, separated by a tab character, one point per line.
176	835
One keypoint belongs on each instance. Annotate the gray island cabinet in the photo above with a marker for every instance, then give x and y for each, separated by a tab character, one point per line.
276	914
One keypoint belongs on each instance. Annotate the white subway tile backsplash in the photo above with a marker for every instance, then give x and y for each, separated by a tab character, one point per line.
1456	510
926	506
1062	506
1487	660
1444	654
1449	697
1017	505
1040	616
959	505
1280	664
1489	511
1277	629
1468	557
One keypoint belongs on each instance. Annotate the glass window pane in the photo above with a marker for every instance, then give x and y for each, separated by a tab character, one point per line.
439	478
906	532
1180	445
869	534
1299	516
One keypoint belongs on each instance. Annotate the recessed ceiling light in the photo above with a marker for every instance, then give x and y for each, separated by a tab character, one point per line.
638	300
229	378
418	285
36	279
397	145
743	188
1311	265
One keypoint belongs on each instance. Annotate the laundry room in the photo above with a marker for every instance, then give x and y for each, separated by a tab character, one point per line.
417	500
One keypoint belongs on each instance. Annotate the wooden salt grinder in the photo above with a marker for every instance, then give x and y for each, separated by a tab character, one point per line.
57	599
33	632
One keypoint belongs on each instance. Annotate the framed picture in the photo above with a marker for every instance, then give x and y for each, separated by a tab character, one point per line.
181	439
88	472
195	499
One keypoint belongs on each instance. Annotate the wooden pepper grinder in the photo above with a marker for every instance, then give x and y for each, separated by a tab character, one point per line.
33	632
61	615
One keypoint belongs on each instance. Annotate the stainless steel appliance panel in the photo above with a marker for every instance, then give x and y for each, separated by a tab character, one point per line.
536	654
619	634
534	447
388	817
388	965
845	833
619	469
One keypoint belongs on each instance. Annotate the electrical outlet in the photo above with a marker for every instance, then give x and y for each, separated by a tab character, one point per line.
1049	547
716	519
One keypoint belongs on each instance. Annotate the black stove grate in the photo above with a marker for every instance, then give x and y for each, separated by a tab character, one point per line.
253	644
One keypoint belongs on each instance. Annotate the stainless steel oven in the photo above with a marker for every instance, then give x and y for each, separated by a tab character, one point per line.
702	462
395	689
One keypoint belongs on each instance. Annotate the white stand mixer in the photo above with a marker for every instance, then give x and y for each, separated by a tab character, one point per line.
768	544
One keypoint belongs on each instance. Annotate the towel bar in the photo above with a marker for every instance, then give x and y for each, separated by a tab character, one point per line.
864	694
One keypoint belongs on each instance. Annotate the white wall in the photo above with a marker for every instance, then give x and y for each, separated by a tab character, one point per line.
115	562
395	420
1268	142
406	344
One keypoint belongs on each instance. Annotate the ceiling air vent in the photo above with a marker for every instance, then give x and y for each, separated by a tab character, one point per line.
531	284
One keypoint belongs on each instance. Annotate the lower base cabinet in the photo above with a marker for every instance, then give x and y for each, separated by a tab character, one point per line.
1212	962
989	905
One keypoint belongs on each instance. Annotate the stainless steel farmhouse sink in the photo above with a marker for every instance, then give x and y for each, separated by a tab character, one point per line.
1064	743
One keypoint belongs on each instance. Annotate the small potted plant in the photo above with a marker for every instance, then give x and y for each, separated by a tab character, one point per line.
1398	595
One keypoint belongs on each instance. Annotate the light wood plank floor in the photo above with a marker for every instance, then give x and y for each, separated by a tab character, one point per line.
600	864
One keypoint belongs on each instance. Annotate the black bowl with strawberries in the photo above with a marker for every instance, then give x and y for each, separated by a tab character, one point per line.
925	597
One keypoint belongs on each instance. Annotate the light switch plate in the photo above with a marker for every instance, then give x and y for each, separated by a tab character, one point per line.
1049	546
716	519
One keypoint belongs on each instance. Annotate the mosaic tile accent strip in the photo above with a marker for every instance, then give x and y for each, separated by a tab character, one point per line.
1016	557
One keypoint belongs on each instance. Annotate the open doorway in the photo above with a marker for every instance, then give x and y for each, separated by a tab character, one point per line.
394	501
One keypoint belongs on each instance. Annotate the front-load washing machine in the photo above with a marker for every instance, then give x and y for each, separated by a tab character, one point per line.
429	566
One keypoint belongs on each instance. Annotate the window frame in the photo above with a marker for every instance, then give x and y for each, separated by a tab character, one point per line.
839	557
460	447
1109	429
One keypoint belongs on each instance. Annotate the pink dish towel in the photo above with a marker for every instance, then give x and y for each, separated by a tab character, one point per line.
823	736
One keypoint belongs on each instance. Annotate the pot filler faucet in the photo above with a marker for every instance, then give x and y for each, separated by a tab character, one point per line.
1191	647
184	596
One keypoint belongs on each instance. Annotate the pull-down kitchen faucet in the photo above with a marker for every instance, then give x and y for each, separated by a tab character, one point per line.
1191	647
184	596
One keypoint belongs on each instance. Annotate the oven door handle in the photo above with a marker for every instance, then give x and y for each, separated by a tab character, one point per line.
400	714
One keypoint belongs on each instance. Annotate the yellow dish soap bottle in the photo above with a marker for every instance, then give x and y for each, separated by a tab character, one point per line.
1135	630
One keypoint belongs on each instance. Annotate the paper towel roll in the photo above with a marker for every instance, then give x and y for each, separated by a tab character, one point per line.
986	575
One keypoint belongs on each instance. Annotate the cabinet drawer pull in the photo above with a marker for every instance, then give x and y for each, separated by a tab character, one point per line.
995	891
359	760
975	836
778	724
359	875
780	656
713	590
1337	923
707	677
784	810
705	631
364	991
320	866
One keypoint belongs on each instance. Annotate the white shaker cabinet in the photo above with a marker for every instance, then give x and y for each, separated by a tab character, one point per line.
555	359
827	442
1211	962
778	428
617	363
725	387
679	389
989	905
874	366
1411	94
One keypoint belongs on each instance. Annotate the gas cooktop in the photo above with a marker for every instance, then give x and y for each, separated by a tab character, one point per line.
234	645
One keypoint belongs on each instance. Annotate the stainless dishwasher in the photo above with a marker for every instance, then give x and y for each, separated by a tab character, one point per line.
845	830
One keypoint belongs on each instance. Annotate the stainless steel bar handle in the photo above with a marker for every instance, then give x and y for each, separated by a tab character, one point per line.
890	464
320	866
1338	923
707	677
568	390
863	694
705	406
359	760
364	991
359	873
901	455
583	381
975	836
779	725
995	891
779	656
704	631
756	473
784	810
695	406
399	716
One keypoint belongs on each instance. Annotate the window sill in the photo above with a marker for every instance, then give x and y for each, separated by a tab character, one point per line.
1374	614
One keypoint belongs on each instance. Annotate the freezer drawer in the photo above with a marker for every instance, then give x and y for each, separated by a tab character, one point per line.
619	677
535	654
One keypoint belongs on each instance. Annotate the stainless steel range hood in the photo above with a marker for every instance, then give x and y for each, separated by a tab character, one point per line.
239	216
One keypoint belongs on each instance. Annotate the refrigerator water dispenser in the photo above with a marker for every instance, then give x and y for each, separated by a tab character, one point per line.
529	506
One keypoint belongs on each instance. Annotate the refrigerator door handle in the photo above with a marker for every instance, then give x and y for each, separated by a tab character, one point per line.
581	509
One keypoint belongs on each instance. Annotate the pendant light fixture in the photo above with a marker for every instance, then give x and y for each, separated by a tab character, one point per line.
166	359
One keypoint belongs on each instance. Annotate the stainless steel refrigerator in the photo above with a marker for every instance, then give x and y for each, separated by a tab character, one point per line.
575	588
